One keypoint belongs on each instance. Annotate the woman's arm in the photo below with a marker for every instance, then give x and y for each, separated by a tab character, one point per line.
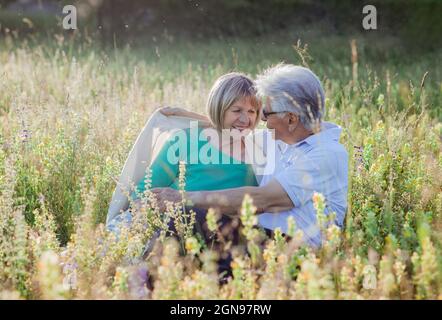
181	112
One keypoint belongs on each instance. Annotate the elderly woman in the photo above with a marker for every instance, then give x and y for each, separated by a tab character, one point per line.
210	162
309	158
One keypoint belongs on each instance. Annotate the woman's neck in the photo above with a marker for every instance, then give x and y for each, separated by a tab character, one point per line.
231	143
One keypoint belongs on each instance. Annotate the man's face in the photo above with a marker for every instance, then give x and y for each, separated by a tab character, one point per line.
275	122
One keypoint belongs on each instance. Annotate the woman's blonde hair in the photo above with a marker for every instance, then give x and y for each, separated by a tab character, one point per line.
226	90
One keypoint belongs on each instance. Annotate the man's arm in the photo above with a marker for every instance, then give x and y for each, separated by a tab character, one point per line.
269	198
181	112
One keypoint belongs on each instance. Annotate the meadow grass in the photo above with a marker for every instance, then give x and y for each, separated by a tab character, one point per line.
70	112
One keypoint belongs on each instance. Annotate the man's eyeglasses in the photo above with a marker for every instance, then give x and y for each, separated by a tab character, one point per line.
267	114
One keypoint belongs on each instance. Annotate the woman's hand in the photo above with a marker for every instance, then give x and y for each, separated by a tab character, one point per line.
172	111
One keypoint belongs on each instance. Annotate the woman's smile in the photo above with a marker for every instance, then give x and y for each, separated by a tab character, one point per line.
241	127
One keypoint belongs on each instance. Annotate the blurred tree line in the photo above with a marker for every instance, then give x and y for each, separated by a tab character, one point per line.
416	22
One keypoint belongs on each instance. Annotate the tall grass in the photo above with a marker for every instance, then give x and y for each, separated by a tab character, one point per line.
70	113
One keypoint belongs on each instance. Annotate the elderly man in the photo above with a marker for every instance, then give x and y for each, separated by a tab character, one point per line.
309	158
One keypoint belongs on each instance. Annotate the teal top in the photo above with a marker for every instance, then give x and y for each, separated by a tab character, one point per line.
207	168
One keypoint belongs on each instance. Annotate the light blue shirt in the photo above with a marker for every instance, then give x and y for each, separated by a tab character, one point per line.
318	163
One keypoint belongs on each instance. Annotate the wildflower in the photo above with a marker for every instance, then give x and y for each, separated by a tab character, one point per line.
192	245
248	217
358	267
425	269
279	239
346	280
182	177
399	270
255	252
121	280
291	226
49	277
148	183
239	273
359	159
380	100
369	274
269	255
319	205
387	281
211	220
333	237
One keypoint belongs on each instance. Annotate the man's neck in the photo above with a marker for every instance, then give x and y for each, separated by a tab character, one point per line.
300	135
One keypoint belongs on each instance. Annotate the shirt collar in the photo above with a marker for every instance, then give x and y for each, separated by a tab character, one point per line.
329	132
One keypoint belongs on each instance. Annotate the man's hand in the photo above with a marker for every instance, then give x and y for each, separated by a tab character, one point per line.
167	194
269	198
171	111
161	195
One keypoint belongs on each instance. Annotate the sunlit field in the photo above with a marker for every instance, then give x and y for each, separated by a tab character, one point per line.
70	111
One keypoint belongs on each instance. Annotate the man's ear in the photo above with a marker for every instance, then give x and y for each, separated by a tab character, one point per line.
293	122
293	118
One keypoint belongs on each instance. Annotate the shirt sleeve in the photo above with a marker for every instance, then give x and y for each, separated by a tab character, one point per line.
309	173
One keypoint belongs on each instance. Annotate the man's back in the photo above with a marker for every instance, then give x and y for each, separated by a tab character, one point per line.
319	164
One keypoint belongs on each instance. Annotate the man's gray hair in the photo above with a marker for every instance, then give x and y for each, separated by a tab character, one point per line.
295	89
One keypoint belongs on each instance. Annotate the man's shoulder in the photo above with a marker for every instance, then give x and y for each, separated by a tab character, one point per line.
333	151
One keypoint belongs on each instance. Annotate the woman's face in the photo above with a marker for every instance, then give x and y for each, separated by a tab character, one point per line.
241	115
